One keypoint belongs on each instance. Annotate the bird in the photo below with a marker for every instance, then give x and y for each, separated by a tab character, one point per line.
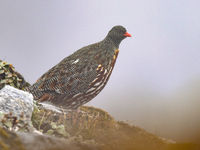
81	76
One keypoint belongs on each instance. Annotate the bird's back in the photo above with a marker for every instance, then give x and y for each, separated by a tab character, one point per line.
77	78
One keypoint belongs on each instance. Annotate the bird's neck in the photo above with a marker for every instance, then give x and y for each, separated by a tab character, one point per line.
115	41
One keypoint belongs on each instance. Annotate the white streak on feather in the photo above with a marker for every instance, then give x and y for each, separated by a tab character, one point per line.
76	61
100	86
92	89
76	95
105	71
95	80
97	84
58	91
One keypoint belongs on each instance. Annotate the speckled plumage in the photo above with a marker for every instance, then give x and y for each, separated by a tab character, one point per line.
79	77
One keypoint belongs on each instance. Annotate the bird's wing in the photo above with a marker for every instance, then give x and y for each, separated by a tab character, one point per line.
68	79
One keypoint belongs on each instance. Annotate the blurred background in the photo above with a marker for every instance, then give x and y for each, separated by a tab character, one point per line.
156	81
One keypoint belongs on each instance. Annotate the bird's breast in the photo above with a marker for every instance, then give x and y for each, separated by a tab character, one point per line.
103	74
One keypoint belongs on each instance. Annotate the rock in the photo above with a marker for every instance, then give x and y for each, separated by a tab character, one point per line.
94	126
10	141
57	129
88	128
9	76
16	102
30	141
15	106
44	142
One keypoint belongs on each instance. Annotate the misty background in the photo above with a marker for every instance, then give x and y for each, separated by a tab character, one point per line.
156	81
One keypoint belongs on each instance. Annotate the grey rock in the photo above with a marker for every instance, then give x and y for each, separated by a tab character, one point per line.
33	141
16	102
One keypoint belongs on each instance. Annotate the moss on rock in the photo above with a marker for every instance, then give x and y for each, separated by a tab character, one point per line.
10	140
9	76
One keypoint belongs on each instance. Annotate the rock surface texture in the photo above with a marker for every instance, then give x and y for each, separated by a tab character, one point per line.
16	102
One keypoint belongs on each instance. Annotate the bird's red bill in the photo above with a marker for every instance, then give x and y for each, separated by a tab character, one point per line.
127	34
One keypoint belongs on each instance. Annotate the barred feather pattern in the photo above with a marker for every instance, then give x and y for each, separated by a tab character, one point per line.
75	80
79	77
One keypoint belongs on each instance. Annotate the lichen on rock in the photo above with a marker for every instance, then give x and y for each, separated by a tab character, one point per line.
9	76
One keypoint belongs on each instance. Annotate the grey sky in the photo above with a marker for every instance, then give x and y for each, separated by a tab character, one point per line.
162	56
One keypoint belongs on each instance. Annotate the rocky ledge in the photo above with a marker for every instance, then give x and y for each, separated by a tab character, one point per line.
27	125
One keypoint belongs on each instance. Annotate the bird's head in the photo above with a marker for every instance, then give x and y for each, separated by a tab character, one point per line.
117	34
